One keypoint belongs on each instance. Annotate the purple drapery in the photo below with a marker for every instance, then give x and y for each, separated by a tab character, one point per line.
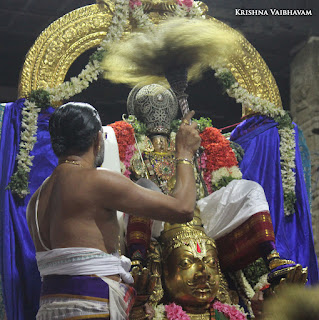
20	277
259	138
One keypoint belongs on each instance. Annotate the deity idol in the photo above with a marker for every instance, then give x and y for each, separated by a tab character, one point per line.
247	216
235	214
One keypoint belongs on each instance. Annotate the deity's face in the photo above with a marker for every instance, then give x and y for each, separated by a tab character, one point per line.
192	280
160	143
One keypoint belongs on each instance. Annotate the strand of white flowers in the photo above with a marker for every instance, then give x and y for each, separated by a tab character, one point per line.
28	138
159	312
263	281
287	154
195	11
77	84
192	12
141	18
119	21
92	70
242	294
144	22
249	291
180	11
222	172
287	141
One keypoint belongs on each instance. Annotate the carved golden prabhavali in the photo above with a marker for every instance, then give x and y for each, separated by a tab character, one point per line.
59	45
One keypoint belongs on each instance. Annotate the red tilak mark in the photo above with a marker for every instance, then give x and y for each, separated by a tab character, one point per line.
199	250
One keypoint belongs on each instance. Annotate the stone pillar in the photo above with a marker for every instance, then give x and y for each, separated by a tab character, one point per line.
304	95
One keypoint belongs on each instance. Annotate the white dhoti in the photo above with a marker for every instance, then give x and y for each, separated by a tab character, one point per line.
76	284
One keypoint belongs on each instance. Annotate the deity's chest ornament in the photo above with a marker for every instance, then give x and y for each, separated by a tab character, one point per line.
162	164
160	167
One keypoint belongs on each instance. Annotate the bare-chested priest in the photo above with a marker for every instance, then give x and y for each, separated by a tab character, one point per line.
73	223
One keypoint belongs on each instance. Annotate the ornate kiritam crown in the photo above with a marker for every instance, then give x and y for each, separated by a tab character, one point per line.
191	234
154	105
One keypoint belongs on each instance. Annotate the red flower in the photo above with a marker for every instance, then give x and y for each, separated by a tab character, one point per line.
217	149
187	3
124	133
135	3
218	153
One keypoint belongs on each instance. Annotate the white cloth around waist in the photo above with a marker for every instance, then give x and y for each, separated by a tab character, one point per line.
83	261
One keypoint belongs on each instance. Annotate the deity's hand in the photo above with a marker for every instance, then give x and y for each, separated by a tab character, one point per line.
297	275
187	138
144	284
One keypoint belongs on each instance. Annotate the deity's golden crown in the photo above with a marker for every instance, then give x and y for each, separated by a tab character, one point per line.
191	234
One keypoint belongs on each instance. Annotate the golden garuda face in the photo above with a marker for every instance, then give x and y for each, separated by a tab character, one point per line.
191	275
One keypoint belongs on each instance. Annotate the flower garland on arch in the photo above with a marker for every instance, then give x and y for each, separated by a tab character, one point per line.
285	129
184	8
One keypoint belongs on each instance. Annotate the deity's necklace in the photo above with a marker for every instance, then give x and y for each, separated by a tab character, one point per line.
161	166
72	162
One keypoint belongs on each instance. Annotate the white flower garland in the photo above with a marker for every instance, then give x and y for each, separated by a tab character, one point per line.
77	84
192	12
141	18
263	281
119	21
27	140
287	135
181	10
222	172
244	284
244	289
159	312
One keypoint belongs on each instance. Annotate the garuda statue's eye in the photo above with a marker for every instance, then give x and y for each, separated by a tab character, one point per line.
211	261
185	263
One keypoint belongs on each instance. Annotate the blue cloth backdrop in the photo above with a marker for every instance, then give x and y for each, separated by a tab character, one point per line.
2	107
2	309
20	277
259	138
306	163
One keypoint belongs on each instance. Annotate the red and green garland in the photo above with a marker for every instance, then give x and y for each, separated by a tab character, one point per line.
219	163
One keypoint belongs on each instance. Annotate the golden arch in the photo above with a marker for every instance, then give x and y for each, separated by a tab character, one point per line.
60	44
